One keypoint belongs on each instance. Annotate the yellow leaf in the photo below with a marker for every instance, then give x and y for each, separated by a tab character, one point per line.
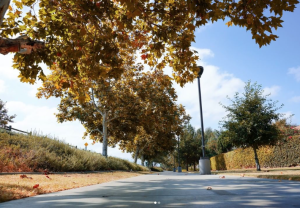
228	23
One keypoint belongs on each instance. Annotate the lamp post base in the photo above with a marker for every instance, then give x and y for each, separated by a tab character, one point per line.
204	166
179	169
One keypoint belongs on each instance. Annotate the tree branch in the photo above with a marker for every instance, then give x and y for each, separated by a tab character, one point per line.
97	130
113	118
22	44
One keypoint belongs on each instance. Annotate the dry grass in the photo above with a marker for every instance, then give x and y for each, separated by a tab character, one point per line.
292	173
14	187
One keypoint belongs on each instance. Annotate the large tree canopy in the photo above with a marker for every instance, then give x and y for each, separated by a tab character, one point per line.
137	110
74	32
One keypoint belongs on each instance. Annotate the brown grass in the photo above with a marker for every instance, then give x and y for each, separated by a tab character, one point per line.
14	187
292	173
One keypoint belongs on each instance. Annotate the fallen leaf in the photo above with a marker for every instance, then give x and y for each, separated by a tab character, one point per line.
23	176
209	188
36	186
222	177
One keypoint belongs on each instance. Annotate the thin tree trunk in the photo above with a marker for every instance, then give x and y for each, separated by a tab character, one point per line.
194	166
187	165
136	154
143	160
256	160
104	123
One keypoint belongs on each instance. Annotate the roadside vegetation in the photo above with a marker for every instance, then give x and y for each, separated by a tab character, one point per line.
22	153
157	169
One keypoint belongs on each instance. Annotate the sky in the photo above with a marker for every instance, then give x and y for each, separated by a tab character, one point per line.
230	58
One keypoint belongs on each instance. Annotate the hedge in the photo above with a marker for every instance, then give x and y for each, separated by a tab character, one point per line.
285	154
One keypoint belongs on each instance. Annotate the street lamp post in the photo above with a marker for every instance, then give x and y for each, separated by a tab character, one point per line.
204	162
179	167
174	169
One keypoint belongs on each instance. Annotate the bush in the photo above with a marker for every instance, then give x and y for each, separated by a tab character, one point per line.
157	169
285	154
21	153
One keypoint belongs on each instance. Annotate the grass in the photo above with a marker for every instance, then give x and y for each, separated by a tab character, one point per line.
292	173
14	187
22	153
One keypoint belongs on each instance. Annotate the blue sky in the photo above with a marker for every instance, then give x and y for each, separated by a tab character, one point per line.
230	58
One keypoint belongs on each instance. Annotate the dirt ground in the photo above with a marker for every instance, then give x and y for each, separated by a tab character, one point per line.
17	186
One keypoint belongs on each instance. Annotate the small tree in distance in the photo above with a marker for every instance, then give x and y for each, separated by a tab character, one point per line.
4	117
250	120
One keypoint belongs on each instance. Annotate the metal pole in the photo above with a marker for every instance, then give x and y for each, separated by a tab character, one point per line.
174	169
178	152
201	117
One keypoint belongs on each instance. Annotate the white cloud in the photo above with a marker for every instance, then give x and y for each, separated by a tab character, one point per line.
203	52
6	69
33	88
289	116
2	86
295	72
216	85
295	99
273	91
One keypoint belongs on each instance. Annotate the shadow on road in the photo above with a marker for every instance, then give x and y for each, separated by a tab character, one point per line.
174	190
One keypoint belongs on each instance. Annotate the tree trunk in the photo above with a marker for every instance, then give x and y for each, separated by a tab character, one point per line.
143	160
4	4
136	154
256	160
194	166
187	165
22	44
104	123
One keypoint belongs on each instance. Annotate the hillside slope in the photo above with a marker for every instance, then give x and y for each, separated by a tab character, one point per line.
21	153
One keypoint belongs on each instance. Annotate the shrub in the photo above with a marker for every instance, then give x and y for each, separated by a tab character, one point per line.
286	153
157	169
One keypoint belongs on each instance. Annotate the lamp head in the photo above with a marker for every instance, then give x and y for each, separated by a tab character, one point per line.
201	70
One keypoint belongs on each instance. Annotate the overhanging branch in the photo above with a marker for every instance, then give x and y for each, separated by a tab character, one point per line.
22	44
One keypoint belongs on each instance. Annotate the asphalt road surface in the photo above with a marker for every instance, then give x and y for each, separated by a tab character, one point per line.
170	189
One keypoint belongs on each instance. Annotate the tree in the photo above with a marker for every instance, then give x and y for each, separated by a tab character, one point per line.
190	146
160	139
224	143
115	110
211	142
250	120
71	33
4	117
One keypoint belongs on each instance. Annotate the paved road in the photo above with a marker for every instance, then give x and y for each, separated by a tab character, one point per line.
170	189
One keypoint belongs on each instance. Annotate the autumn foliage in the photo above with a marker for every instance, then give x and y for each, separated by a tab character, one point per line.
77	33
